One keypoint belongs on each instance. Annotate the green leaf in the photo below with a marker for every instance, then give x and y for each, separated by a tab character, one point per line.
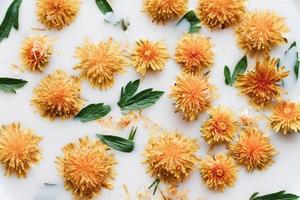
117	143
155	184
240	68
195	23
281	195
131	101
132	133
11	84
227	75
104	6
11	19
93	112
297	62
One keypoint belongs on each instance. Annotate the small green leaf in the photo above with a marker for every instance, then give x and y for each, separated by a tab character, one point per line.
117	143
195	23
240	68
104	6
11	19
132	133
50	184
297	62
227	75
294	44
155	185
281	195
131	101
11	84
93	112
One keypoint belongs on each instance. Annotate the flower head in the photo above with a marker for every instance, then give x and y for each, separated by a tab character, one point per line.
171	157
218	171
149	55
194	52
162	11
253	149
192	95
58	95
221	126
87	167
221	13
19	149
262	85
99	63
260	31
57	13
35	52
286	117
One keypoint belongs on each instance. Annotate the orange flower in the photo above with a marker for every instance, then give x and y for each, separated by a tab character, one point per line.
149	55
221	126
58	95
162	11
195	53
262	85
192	95
171	157
218	171
57	13
253	149
35	52
19	149
87	167
260	31
221	13
99	63
286	117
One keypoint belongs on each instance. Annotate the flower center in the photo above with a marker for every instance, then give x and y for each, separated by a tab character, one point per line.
287	110
222	126
219	172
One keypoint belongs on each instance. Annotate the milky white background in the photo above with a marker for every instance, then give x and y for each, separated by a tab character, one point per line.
284	174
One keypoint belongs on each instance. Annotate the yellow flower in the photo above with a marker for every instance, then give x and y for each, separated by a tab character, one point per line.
162	11
253	149
171	157
149	55
218	171
87	167
192	95
99	63
262	86
221	13
36	52
19	149
221	127
58	95
260	31
195	53
57	13
286	117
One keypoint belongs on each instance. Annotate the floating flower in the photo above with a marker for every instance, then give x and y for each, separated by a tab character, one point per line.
194	52
218	171
99	63
162	11
36	52
149	55
260	31
221	127
221	13
87	167
253	149
58	95
286	117
171	157
262	86
19	149
57	13
192	95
